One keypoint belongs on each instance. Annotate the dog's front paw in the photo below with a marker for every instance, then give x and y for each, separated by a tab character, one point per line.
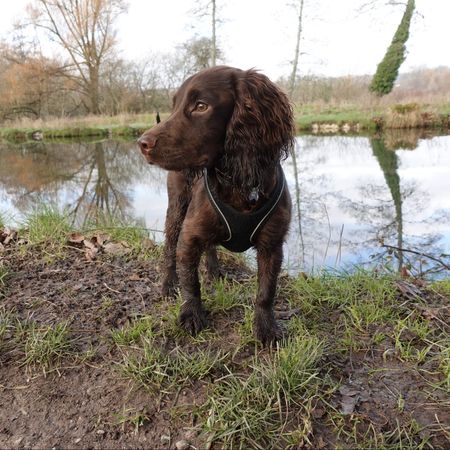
193	320
266	328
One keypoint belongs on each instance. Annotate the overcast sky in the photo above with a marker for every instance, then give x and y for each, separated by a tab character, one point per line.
261	33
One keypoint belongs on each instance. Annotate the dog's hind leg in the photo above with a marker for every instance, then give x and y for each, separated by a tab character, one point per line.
212	264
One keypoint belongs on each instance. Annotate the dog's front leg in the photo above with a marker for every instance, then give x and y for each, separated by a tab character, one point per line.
269	264
193	315
179	194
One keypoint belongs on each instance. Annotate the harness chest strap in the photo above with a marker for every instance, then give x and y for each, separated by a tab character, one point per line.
243	227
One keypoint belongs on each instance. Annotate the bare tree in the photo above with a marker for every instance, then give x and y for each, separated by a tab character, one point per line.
31	85
210	8
299	5
374	4
213	32
85	31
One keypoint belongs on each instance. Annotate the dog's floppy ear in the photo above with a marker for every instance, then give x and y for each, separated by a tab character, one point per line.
262	120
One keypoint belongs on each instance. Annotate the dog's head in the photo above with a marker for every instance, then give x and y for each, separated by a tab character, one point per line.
223	116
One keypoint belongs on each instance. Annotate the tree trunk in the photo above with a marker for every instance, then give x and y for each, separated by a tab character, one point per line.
213	41
297	51
94	91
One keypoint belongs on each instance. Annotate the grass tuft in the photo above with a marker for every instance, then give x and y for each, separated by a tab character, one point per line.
132	334
159	371
252	410
442	287
3	274
135	235
134	418
46	346
7	326
47	224
227	295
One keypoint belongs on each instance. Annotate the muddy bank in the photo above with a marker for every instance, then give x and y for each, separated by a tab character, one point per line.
121	374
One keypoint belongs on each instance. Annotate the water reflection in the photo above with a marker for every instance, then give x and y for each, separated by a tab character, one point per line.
361	201
89	180
356	199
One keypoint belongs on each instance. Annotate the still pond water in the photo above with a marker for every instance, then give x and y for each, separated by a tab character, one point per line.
351	195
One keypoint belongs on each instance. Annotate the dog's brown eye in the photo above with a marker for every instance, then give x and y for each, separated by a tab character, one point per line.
200	107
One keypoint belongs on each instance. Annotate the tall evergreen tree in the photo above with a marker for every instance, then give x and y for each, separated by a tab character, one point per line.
387	71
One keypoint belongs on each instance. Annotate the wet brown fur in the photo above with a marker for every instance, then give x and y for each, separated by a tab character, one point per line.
241	137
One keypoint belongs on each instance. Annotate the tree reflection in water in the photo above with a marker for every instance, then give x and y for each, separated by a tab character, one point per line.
350	195
371	217
90	180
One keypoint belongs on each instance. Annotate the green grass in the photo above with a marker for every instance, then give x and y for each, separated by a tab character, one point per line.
145	362
49	228
252	410
85	132
399	437
47	224
46	346
135	419
345	326
304	119
366	117
370	119
133	333
7	326
86	127
226	295
444	360
134	235
160	371
442	287
363	297
3	275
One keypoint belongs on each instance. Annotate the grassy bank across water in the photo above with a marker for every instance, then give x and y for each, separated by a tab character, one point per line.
81	316
320	119
123	125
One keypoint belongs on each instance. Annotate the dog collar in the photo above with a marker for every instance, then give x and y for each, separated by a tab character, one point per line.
242	227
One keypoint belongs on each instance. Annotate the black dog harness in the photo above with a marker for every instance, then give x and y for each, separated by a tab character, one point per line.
242	227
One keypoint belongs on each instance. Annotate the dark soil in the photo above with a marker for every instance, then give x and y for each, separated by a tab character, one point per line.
83	402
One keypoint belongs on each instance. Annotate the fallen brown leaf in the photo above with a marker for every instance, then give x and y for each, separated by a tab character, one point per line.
100	239
91	253
116	249
75	239
89	244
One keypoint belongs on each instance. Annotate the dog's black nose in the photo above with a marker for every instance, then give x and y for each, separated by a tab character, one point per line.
146	143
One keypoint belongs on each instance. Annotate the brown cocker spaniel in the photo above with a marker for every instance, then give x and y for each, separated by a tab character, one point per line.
222	145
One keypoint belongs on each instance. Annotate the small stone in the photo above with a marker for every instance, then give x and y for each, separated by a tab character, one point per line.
191	434
77	440
100	431
165	439
182	445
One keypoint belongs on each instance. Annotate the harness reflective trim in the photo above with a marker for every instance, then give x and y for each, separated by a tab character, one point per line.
216	206
271	209
243	227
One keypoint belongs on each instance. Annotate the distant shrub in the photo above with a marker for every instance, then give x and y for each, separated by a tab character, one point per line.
405	108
